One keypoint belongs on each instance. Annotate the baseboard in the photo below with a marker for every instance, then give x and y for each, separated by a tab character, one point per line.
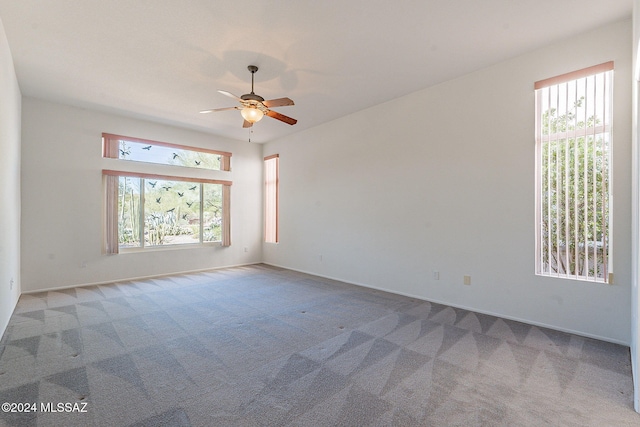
129	279
475	310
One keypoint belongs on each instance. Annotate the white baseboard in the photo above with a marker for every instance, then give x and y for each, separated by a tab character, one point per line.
129	279
475	310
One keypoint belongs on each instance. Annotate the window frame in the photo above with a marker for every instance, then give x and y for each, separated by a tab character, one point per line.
111	144
595	131
138	169
271	198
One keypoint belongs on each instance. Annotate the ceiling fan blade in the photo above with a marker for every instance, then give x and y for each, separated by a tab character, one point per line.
280	102
281	117
218	109
230	95
247	124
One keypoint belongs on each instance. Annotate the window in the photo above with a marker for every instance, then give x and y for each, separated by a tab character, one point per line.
146	210
164	153
573	165
271	198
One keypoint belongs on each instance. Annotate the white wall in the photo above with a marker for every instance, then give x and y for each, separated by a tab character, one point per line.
62	199
635	209
443	179
10	99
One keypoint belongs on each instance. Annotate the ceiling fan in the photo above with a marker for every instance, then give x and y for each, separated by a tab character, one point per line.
253	107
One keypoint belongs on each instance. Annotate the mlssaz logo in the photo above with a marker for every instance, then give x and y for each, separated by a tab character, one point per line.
63	407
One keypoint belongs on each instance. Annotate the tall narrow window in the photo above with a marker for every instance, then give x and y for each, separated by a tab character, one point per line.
573	165
271	198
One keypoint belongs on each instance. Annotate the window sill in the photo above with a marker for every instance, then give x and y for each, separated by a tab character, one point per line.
128	250
577	279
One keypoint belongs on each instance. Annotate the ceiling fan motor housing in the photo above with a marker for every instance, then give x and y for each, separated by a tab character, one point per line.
252	97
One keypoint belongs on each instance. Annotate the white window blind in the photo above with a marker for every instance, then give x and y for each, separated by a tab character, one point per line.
573	163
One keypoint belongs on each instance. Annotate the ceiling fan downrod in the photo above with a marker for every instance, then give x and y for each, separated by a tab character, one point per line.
252	96
253	69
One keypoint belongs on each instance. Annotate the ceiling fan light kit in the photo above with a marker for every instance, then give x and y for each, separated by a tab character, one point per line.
252	114
254	107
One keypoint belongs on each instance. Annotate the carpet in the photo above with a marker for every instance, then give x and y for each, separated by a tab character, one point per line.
264	346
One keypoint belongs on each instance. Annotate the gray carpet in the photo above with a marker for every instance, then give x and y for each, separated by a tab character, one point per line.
261	346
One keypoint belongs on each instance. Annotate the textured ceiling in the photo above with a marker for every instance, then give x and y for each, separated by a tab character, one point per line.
164	60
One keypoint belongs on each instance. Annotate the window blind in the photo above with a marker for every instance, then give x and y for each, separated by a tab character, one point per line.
573	151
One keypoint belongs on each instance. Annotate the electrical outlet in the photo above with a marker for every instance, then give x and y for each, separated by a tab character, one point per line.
467	280
11	284
436	275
